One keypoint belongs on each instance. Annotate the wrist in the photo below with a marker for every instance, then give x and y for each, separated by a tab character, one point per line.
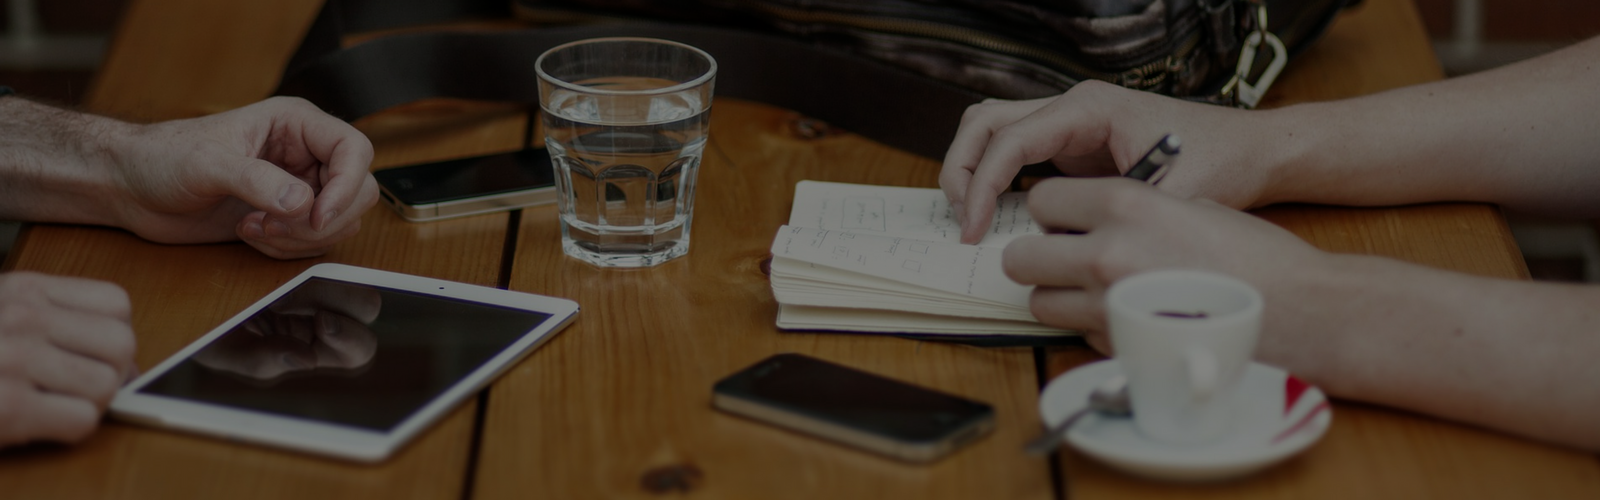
56	165
1283	153
1314	317
112	149
97	148
1339	324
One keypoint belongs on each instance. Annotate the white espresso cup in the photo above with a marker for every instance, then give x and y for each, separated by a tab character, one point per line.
1184	339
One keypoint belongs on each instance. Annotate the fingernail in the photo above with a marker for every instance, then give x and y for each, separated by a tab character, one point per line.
254	230
293	196
295	362
327	217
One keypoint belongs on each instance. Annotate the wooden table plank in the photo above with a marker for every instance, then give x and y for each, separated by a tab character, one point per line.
623	398
222	55
184	58
1373	452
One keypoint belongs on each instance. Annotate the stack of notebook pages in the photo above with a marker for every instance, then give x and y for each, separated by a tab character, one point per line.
889	260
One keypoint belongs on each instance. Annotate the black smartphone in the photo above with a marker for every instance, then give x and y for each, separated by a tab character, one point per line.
469	186
854	407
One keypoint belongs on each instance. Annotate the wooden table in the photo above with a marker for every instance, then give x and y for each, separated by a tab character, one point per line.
619	404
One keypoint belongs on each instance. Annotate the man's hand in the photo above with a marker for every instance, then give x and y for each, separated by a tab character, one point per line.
65	347
279	174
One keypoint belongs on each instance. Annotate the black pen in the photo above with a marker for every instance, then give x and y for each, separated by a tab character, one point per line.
1155	164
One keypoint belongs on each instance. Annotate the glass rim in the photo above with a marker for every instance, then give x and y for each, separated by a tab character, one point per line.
538	67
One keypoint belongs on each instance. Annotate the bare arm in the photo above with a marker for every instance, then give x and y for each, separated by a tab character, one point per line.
1517	356
1521	136
279	174
51	164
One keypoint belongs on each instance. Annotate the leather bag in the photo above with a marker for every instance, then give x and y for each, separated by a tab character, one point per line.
868	66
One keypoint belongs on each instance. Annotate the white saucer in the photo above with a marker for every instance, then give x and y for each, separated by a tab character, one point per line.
1278	416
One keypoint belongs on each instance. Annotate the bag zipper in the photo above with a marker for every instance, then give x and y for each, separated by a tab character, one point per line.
1157	72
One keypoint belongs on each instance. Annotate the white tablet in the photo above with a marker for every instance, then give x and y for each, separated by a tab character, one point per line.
344	361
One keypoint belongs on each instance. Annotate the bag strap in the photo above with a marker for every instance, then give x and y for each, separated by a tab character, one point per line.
858	95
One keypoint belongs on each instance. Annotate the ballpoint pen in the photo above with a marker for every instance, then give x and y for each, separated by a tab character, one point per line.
1155	164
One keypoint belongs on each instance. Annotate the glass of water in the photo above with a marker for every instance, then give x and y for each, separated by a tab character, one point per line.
625	122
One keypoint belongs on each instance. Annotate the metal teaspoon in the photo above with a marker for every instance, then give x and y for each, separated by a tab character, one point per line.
1108	398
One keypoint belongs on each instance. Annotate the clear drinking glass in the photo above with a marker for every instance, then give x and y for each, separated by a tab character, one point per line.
625	122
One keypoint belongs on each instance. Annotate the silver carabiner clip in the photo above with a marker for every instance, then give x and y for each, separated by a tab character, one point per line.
1250	93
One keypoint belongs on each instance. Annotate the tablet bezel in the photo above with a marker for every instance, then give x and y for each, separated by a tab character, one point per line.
331	439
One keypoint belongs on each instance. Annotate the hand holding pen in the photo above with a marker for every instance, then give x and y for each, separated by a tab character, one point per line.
1154	164
1150	168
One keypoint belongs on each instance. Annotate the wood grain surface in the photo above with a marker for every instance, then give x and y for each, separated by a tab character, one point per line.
618	406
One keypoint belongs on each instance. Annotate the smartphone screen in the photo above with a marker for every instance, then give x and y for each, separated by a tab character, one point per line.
465	178
886	415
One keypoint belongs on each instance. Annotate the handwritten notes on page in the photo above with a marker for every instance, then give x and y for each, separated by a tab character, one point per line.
888	259
916	213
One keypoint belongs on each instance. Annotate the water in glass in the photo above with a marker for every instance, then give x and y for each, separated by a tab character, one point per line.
625	168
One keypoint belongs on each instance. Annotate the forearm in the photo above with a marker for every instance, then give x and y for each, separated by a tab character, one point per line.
55	165
1511	355
1521	136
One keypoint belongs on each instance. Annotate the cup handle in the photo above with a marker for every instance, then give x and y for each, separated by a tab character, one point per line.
1202	373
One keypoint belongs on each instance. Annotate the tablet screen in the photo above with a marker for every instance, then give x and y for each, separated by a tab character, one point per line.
346	353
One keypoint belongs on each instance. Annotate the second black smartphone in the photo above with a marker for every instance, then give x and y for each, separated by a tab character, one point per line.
468	186
854	407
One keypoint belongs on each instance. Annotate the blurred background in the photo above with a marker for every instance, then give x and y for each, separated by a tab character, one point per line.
49	50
